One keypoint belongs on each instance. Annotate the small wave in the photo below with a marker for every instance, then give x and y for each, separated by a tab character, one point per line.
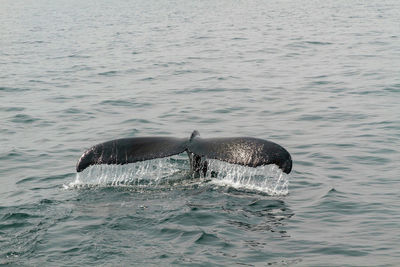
12	109
12	89
108	73
318	43
24	118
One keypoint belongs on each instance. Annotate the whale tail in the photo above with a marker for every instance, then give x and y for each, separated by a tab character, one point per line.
130	150
246	151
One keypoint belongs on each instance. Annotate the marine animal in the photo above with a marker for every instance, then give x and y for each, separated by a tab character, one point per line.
246	151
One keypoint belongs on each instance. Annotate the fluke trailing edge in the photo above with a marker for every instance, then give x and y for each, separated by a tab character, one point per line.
246	151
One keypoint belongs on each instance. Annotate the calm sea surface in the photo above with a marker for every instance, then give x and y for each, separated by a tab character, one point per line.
321	78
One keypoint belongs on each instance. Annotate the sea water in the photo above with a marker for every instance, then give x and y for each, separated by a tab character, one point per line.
320	78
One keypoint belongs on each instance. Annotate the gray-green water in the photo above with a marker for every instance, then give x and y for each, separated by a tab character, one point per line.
321	78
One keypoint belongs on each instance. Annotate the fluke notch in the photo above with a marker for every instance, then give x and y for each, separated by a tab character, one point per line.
246	151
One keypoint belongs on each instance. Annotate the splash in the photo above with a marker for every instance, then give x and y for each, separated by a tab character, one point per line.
268	179
170	172
141	174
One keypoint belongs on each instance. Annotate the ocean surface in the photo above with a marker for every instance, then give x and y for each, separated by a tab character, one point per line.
320	78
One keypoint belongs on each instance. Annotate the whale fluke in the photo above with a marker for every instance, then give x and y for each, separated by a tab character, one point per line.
130	150
247	151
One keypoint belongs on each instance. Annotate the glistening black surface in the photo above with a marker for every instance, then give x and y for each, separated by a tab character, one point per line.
245	151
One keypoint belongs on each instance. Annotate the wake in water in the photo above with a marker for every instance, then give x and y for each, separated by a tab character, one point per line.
169	172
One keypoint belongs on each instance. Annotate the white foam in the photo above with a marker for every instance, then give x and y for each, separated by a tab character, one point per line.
140	174
169	172
268	179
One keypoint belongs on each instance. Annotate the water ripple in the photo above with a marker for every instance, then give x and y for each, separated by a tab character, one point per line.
318	77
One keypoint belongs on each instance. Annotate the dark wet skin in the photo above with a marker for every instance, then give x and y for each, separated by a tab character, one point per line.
246	151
